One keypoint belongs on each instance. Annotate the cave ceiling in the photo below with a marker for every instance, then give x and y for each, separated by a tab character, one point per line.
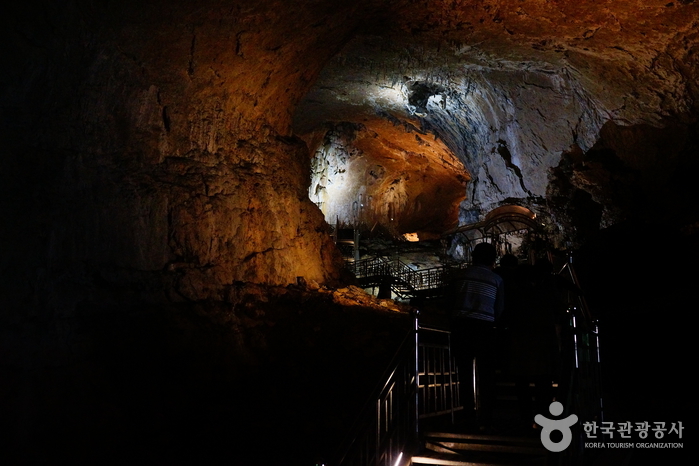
632	57
511	86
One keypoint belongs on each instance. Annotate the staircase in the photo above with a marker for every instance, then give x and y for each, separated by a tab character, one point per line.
461	443
422	389
462	449
402	288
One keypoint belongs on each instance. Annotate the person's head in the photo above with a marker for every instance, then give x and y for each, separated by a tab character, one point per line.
484	254
508	260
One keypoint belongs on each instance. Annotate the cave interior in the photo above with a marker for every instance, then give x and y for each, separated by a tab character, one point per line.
172	174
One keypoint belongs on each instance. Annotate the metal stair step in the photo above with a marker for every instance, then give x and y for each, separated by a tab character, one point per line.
442	461
453	460
487	443
501	439
449	448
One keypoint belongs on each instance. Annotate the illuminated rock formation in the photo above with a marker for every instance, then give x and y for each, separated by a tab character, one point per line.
382	173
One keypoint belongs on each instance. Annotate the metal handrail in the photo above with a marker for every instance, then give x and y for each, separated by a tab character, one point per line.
439	392
585	379
421	381
387	425
569	271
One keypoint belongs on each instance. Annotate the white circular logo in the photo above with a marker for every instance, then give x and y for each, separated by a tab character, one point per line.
561	425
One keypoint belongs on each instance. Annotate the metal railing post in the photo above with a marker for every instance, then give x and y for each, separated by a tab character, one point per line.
451	379
416	376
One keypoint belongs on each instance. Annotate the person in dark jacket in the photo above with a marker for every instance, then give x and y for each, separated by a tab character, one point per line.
478	302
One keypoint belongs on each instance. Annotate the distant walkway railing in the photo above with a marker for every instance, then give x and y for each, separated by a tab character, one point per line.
374	272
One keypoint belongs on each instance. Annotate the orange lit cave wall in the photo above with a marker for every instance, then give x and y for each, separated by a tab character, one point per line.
165	132
388	174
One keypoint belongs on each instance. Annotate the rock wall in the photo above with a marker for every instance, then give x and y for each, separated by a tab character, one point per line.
147	169
510	128
387	174
148	146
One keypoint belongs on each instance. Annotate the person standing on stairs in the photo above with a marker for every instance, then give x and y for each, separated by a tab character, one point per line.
478	301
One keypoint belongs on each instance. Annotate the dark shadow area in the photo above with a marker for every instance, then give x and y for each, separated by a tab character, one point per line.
271	381
642	290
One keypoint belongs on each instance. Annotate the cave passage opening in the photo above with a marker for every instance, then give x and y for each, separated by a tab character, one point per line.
383	179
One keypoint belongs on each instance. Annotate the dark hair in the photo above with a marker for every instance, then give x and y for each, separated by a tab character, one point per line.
484	254
509	260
